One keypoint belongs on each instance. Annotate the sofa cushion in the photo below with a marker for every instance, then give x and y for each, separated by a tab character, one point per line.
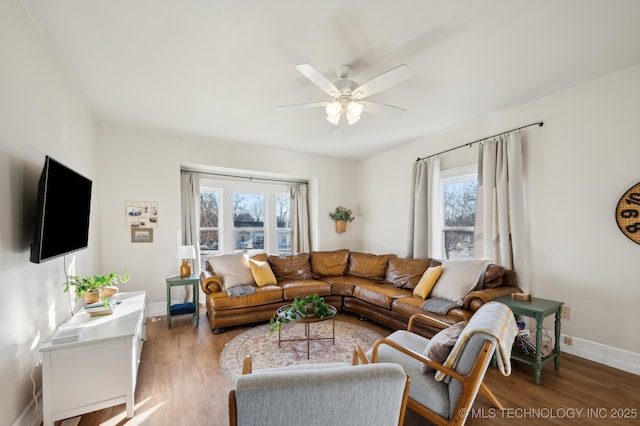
233	268
440	345
427	281
262	273
263	296
458	278
343	285
294	267
365	265
405	273
329	263
379	294
301	288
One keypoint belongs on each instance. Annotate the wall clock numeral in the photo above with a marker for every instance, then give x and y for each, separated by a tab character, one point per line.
627	212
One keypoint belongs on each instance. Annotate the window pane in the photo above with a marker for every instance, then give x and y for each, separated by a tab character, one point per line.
209	202
248	220
460	203
209	212
208	239
283	222
458	244
283	210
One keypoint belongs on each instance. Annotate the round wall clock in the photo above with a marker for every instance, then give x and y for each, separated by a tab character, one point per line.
628	213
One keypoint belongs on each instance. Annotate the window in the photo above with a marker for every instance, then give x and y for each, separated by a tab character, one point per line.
283	222
459	192
244	216
209	213
248	220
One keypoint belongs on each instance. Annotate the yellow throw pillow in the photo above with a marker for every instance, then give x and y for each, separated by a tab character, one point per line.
262	273
427	282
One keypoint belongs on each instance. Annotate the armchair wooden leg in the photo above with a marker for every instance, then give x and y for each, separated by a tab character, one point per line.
484	390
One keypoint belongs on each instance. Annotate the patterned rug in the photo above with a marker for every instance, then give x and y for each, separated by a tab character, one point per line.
265	352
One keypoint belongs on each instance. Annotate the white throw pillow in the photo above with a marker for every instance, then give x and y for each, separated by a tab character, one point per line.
458	278
233	268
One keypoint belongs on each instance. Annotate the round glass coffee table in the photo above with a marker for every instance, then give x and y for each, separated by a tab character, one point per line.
307	320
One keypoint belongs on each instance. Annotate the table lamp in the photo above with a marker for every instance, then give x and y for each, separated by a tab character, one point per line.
185	253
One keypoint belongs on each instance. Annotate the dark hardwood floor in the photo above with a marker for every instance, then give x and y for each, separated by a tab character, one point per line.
180	382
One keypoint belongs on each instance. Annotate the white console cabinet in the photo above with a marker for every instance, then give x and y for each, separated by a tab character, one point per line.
99	368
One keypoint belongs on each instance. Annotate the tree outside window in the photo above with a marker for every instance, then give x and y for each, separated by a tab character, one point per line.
209	213
459	213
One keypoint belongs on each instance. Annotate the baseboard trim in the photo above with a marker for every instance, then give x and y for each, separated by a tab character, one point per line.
604	354
32	414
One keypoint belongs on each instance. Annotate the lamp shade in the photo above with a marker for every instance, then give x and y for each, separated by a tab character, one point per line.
186	252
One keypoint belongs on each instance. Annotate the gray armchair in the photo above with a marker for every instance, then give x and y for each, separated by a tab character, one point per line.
320	394
447	396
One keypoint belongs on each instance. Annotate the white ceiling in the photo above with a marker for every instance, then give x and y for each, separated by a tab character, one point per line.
217	68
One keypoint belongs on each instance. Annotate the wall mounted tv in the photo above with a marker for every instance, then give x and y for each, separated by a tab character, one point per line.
62	215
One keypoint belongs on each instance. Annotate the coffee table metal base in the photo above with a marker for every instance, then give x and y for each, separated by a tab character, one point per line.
306	321
308	338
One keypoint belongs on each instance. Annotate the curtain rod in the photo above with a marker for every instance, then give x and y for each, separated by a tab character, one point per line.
540	123
250	178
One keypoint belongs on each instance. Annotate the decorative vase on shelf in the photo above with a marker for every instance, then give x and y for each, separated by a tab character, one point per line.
341	226
109	291
91	297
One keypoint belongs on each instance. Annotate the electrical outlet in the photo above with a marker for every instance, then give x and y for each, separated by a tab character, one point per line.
568	340
566	312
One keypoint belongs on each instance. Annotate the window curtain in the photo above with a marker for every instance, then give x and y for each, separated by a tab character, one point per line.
300	241
499	228
424	217
190	221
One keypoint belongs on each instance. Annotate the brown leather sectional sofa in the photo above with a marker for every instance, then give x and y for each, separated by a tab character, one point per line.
377	287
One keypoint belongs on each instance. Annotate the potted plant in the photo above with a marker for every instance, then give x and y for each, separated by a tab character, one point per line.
92	287
301	307
342	215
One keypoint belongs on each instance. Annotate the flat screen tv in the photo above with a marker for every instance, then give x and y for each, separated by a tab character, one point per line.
62	212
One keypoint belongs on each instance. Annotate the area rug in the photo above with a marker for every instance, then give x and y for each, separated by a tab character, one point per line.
265	352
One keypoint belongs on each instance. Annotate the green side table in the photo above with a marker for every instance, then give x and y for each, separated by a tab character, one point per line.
183	308
539	309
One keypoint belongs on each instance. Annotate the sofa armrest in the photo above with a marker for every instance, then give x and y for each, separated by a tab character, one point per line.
426	319
210	282
474	299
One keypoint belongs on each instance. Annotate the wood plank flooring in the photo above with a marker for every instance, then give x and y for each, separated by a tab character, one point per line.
180	382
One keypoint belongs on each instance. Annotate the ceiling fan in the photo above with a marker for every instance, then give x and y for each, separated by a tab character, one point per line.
347	96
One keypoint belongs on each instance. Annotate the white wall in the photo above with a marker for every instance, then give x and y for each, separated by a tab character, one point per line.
139	165
578	166
41	113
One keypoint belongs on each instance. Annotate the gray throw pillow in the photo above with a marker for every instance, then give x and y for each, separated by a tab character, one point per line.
440	345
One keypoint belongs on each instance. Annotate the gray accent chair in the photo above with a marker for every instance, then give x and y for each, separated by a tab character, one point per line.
449	401
320	394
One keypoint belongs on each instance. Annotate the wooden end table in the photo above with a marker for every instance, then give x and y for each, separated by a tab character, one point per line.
183	308
539	309
307	321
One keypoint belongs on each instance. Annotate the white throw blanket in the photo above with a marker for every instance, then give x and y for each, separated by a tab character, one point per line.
494	319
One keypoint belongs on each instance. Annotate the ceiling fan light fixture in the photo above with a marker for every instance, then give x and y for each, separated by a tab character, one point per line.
351	119
354	109
334	109
333	119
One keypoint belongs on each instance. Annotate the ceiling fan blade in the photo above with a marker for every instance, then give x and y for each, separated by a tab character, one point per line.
382	109
318	79
383	81
299	106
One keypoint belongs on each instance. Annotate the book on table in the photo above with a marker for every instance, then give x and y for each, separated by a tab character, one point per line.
105	307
